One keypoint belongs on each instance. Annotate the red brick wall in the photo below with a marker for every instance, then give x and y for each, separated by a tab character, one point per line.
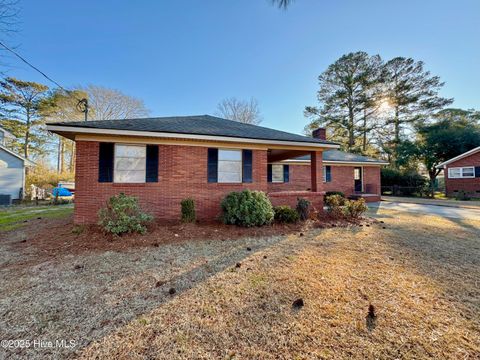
371	179
182	174
290	198
299	180
342	179
472	185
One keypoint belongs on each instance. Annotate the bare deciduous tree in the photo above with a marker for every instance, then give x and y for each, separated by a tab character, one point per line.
282	4
246	112
8	16
8	25
61	106
108	104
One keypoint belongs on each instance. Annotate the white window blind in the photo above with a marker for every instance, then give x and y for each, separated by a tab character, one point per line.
277	173
229	166
130	163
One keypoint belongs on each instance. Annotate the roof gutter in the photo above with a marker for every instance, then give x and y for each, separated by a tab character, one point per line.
81	130
336	162
461	156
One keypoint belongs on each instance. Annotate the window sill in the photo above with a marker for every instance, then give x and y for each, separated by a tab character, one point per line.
230	183
130	184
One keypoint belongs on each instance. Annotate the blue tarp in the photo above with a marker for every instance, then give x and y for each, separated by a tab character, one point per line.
61	192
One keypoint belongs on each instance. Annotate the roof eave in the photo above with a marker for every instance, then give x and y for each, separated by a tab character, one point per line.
70	130
334	162
461	156
25	161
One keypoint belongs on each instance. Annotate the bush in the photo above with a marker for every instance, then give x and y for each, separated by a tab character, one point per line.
303	208
462	195
285	214
406	182
247	208
354	208
329	193
123	215
188	210
334	205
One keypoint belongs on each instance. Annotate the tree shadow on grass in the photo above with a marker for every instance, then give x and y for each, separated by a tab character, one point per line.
85	298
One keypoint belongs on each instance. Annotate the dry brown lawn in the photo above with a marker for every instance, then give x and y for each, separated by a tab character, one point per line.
420	273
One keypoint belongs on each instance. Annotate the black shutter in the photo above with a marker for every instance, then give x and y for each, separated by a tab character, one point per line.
212	165
151	174
247	166
105	162
477	171
286	173
328	173
269	172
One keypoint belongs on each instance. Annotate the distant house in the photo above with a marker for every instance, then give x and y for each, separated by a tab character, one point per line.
12	171
165	160
462	173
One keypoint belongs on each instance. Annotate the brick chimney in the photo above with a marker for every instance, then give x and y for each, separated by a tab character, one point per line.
320	133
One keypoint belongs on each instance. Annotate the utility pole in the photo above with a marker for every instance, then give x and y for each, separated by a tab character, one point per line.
82	106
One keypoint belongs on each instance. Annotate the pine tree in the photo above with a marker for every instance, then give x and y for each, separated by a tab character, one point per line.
413	94
21	102
346	97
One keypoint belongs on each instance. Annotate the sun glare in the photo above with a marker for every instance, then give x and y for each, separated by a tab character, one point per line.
384	106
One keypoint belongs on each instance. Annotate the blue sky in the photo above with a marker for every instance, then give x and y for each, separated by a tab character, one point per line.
182	57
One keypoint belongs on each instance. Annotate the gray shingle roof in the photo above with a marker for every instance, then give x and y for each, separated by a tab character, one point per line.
197	125
337	155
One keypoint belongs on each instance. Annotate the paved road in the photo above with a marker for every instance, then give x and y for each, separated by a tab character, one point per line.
445	211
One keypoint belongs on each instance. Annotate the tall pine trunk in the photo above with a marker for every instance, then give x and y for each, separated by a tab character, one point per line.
72	159
59	151
351	125
364	142
27	136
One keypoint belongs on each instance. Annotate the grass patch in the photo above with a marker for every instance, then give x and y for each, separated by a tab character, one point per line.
405	287
11	219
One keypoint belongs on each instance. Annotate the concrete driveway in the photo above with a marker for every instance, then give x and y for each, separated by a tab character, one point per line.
444	211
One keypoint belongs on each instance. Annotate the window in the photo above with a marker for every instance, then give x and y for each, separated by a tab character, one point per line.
229	166
461	172
357	174
468	172
277	173
327	173
130	163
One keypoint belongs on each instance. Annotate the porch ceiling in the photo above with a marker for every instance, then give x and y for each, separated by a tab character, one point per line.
275	155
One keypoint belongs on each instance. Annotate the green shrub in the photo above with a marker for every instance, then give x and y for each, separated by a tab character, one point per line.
334	205
341	196
123	215
285	214
403	182
247	208
462	195
303	208
188	210
354	208
329	193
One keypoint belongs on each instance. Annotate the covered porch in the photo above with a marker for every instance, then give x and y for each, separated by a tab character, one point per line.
315	193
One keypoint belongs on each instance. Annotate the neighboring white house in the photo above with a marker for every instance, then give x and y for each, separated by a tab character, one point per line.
12	171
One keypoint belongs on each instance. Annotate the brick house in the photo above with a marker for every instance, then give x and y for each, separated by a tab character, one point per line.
165	160
354	175
462	173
